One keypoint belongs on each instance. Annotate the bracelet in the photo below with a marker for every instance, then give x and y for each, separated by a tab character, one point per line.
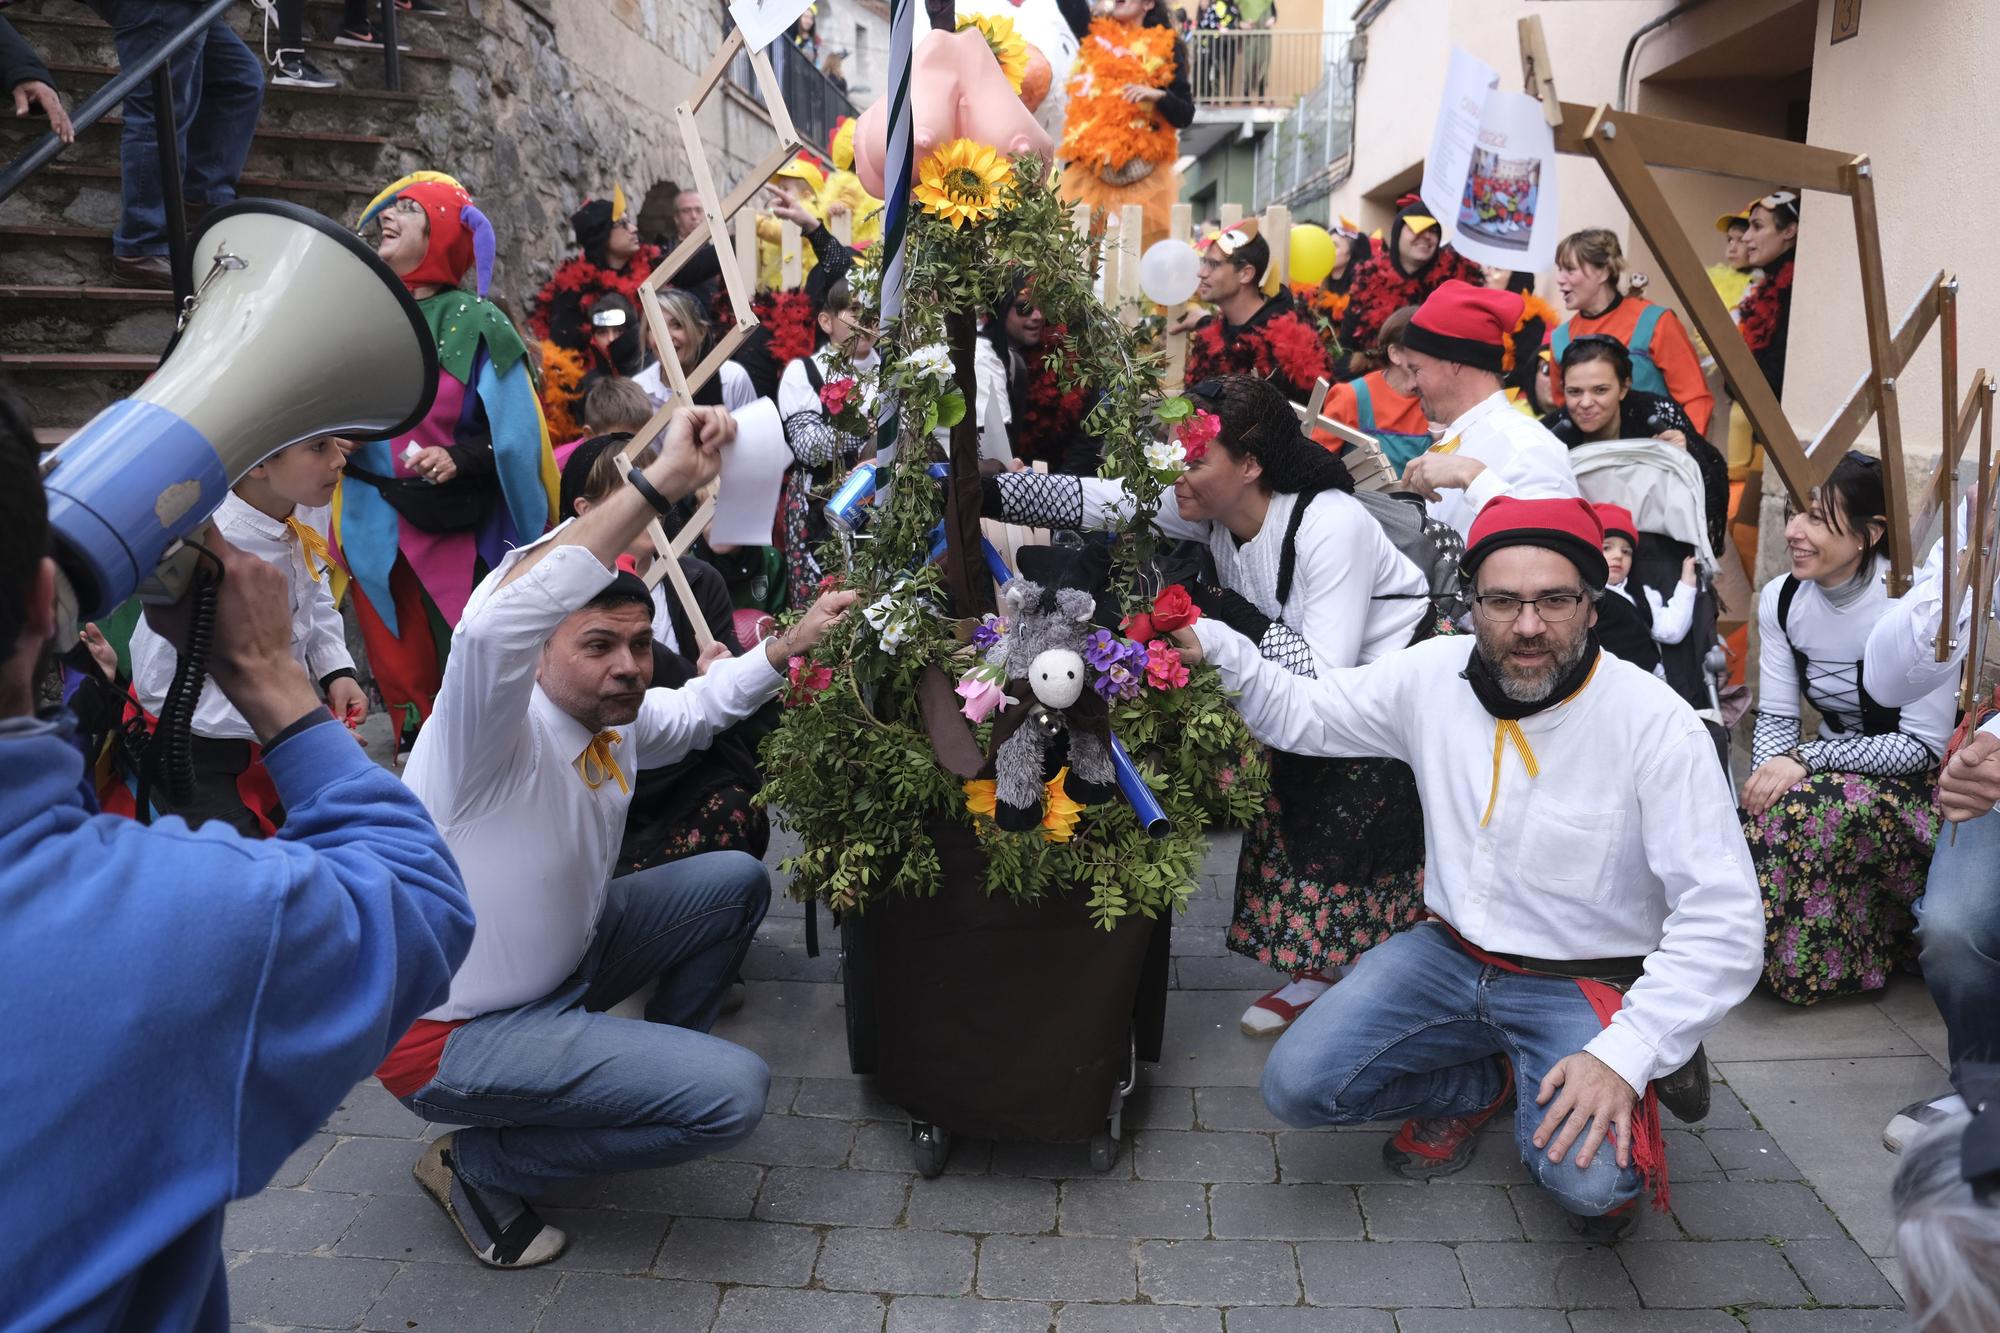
661	504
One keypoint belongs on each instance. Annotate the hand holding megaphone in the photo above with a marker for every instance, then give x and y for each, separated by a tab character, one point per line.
250	655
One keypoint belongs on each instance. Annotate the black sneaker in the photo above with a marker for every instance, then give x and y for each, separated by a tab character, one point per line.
292	70
501	1230
1685	1091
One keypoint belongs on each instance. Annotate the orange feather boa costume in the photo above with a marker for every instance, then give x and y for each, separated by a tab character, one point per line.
1104	132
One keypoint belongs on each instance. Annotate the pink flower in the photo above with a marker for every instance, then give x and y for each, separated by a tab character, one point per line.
981	698
833	395
1164	669
1196	432
806	680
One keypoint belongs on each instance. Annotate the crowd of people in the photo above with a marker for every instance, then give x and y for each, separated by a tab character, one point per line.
1502	868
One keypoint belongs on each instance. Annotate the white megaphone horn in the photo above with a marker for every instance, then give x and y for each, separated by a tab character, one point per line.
296	330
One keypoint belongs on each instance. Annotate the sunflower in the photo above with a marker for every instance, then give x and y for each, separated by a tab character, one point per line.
1009	47
961	182
1060	812
979	796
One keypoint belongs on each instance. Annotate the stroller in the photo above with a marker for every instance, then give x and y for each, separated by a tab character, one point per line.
1663	487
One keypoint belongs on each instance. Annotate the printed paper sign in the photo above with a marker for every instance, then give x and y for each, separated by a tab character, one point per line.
1491	174
752	474
764	21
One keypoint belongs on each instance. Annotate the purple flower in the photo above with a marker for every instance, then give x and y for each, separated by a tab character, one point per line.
988	632
1104	650
1119	680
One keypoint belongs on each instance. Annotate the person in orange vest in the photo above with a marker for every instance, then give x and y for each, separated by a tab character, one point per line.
1589	264
1383	403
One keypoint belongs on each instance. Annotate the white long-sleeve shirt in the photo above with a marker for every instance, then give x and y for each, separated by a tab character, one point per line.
737	391
1522	460
318	641
496	766
1900	661
1627	844
1671	618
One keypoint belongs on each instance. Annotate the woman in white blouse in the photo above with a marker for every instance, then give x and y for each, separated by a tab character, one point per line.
689	326
1334	863
1841	826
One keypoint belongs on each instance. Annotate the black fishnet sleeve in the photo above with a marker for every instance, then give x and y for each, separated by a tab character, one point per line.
1275	640
1888	755
1035	499
816	441
1774	736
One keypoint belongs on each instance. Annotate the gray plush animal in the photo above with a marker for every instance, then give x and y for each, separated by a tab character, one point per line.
1046	671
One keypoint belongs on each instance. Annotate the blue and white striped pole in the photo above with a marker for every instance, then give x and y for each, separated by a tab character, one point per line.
896	186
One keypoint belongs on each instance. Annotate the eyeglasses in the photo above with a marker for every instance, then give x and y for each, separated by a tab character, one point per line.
1554	608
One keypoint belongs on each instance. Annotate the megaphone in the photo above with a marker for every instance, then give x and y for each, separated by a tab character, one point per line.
296	330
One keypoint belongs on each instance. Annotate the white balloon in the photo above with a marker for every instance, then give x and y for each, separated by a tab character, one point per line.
1169	272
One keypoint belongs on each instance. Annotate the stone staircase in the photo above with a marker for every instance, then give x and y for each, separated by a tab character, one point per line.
71	339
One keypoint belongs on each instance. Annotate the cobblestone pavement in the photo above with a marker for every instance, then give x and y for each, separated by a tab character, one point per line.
1214	1217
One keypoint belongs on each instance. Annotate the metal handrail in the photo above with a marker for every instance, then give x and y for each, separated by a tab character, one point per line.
165	127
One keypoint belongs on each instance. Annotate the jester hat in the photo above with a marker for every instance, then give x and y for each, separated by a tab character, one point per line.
460	235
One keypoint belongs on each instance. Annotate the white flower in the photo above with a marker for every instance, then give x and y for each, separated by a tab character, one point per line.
1166	455
932	362
891	620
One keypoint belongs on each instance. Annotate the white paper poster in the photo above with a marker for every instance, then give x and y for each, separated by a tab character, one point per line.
764	21
752	474
1491	174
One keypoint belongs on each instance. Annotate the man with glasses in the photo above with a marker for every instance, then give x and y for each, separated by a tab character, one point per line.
1250	334
1593	909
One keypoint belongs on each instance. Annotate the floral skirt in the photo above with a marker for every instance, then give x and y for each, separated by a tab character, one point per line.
1332	866
727	820
1840	859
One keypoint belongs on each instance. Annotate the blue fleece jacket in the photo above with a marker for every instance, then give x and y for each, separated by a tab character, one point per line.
182	1009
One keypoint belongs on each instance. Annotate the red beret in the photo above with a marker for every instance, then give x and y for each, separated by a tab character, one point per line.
1617	521
1565	525
1467	324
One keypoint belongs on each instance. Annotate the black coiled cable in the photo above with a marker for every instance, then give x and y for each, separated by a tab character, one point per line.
168	760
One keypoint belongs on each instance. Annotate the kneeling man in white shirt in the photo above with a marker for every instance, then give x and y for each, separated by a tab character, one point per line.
1593	909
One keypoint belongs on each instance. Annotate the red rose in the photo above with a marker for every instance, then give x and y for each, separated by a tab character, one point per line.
1139	628
1173	609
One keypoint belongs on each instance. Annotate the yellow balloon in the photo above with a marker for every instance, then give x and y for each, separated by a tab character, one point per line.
1312	254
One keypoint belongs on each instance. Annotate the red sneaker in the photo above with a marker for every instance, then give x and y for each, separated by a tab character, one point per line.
1426	1149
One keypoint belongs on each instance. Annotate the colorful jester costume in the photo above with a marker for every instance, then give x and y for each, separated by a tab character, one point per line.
416	549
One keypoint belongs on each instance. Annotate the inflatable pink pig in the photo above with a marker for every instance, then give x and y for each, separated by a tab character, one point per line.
957	91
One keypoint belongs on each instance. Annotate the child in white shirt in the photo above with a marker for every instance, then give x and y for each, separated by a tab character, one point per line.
261	515
1670	618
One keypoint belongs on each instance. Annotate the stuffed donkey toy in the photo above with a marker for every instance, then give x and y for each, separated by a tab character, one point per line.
1046	671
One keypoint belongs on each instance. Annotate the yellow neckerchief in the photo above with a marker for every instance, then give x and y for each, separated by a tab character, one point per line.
596	764
1449	446
1506	729
312	545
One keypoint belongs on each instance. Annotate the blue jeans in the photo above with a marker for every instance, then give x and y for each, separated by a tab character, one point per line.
1958	933
218	91
1413	1031
557	1089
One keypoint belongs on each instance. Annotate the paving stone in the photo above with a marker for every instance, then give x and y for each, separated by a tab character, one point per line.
1725	1107
1695	1275
1827	1321
297	1221
1749	1154
1481	1321
1061	1268
368	1109
985	1204
1218	1272
1839	1272
794	1140
1364	1273
304	1289
1543	1219
609	1240
1438	1212
1153	1107
1689	1159
1558	1276
1284	1212
1081	1318
437	1299
884	1145
843	1099
1057	1161
765	961
368	1166
394	1226
1133	1208
1746	1210
1342	1157
1228	972
300	1164
968	1314
704	1188
1208	1157
603	1303
1653	1321
759	1310
784	1091
762	1253
919	1263
832	1198
1280	1319
1235	1108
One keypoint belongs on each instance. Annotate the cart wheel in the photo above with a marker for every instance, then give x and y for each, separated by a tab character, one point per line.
1103	1152
932	1144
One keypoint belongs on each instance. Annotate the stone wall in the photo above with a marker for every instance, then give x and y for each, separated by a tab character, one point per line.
559	99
